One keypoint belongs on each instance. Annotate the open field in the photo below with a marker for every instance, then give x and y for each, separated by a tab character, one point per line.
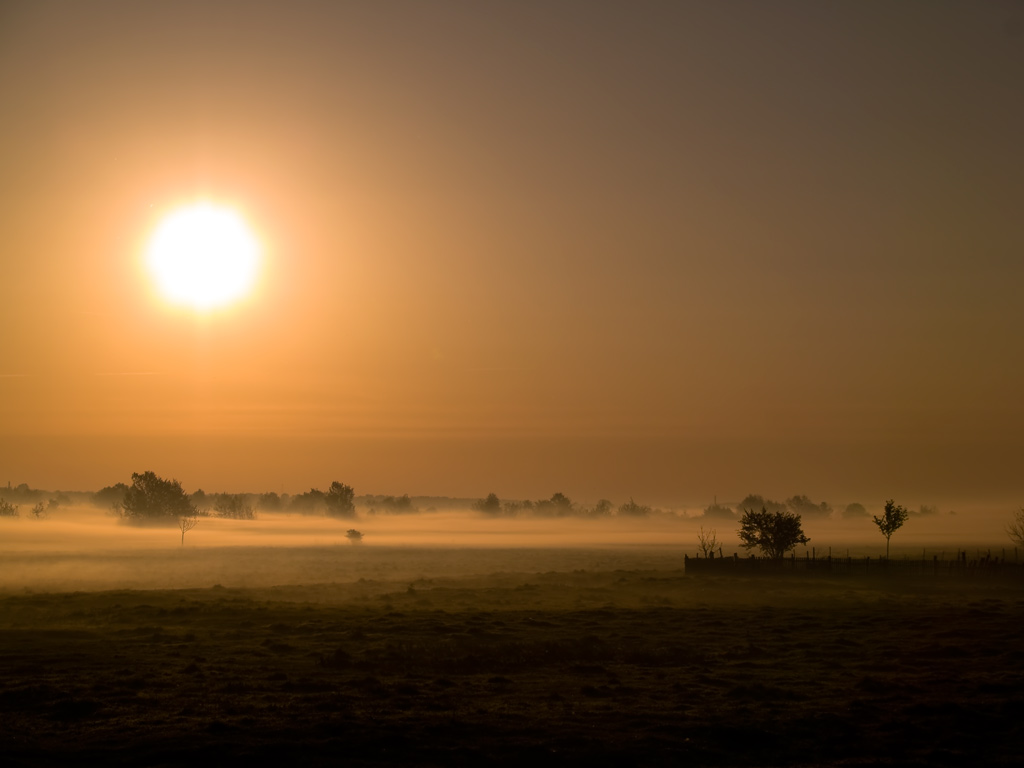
414	657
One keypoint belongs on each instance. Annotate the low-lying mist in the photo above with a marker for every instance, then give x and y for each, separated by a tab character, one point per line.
81	547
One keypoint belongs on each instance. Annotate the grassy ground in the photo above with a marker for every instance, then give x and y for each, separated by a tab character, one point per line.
637	667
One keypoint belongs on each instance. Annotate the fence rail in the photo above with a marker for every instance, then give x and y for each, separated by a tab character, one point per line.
880	567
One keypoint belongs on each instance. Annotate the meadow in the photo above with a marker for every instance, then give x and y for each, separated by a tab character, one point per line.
150	653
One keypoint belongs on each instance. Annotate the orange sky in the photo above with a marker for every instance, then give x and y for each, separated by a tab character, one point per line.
667	250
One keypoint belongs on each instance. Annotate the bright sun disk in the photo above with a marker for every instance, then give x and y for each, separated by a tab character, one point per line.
203	256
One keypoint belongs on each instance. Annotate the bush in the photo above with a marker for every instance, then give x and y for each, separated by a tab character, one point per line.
7	509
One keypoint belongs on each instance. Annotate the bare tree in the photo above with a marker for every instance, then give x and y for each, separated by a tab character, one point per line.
707	541
39	511
186	524
892	520
1015	530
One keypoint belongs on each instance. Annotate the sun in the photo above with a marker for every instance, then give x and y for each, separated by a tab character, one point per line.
203	256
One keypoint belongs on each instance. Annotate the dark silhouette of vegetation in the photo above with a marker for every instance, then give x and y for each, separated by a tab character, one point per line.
201	501
753	501
559	505
1015	530
234	506
397	505
39	510
803	506
110	496
490	506
152	499
356	537
7	509
340	500
855	510
632	509
270	501
892	520
603	508
707	541
308	502
774	533
925	510
186	524
718	512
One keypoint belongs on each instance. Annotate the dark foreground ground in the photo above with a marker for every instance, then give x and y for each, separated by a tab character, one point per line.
612	668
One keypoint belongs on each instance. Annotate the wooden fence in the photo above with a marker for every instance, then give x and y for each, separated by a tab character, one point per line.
879	567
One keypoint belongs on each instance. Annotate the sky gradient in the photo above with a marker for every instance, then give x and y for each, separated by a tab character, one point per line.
667	250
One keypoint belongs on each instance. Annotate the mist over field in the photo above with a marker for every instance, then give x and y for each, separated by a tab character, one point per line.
82	546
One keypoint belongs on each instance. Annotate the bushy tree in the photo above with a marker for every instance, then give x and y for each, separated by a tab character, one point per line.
356	537
110	496
234	506
803	506
269	501
855	510
491	505
340	500
718	512
892	519
151	498
754	500
774	533
7	509
309	501
632	509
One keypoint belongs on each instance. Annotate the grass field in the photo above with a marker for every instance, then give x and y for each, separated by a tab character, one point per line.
616	659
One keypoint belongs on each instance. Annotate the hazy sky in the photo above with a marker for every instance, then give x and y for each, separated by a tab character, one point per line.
660	249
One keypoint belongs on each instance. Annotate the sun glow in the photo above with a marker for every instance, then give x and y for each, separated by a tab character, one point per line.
204	256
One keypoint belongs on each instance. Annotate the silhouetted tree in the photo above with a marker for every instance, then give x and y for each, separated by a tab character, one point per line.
707	541
39	510
892	520
307	502
110	496
559	505
491	505
718	512
1015	530
356	537
632	509
855	510
804	507
753	501
603	508
7	509
340	500
391	504
151	498
269	501
234	506
201	501
774	533
186	524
